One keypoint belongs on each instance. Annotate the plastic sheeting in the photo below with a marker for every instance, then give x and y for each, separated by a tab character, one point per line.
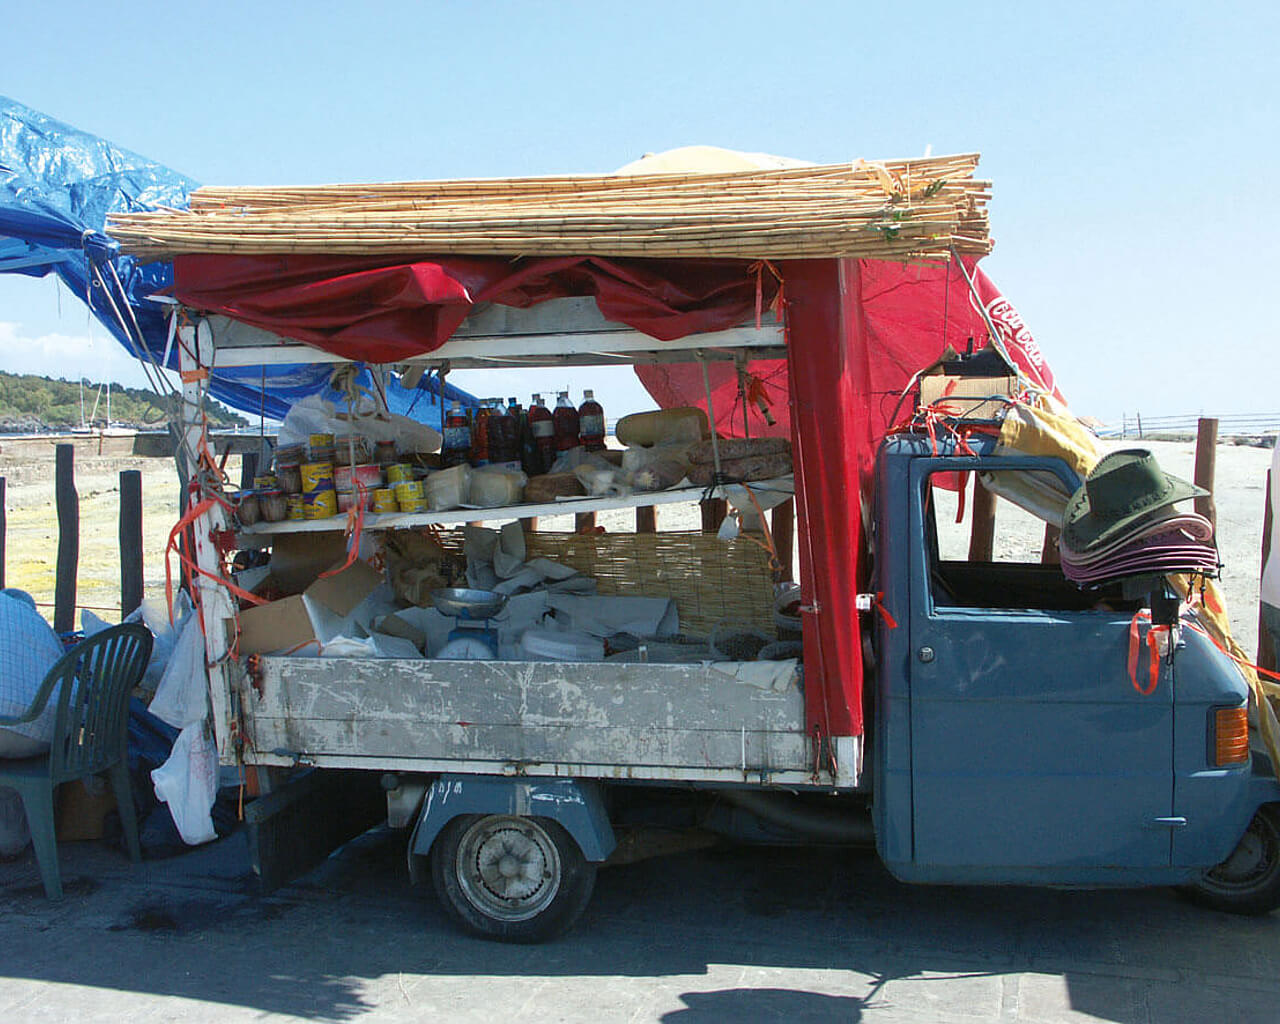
57	186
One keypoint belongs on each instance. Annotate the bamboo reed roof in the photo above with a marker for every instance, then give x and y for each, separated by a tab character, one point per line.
894	210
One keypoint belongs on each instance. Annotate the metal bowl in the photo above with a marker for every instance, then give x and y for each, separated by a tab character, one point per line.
468	604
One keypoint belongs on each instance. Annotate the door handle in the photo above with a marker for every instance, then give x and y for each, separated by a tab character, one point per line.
1174	821
925	654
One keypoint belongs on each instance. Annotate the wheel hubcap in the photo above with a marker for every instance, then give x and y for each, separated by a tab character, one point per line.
508	868
1255	858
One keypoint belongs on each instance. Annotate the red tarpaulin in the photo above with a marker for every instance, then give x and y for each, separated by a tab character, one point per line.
857	332
384	311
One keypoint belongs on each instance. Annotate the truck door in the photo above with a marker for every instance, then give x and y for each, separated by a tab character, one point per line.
1032	752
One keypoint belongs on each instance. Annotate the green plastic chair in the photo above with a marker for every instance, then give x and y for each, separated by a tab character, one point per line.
93	681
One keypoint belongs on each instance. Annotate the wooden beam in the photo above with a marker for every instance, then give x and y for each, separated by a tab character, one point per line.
1206	459
248	469
982	539
713	512
1266	645
130	541
68	505
646	519
1049	553
160	445
784	536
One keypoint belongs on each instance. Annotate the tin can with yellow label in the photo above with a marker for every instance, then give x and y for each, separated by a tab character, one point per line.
320	504
316	475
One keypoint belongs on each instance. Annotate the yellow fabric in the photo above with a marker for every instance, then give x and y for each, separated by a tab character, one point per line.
1045	430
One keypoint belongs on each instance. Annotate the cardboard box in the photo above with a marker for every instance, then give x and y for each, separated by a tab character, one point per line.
288	625
83	805
967	398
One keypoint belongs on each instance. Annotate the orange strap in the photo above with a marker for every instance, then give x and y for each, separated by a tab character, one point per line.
758	268
175	547
889	619
355	525
1153	652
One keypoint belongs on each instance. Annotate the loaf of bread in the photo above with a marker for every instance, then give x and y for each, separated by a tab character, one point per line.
753	467
739	448
550	486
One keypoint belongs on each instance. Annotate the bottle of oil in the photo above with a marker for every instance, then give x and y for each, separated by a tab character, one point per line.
480	435
565	420
591	422
504	441
542	430
457	437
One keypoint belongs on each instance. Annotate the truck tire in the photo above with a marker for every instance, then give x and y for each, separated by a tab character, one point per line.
1248	881
510	878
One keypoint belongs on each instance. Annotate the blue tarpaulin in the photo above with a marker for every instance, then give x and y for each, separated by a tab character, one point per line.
57	186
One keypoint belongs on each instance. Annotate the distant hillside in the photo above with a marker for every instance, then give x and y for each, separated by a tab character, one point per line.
30	404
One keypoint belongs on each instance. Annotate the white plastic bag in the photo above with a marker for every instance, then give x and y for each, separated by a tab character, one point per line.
181	698
188	783
154	614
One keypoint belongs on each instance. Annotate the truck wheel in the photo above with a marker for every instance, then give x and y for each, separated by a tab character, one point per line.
1247	882
510	878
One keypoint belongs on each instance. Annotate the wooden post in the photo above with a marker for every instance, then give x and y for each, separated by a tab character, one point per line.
4	526
1049	553
982	539
1206	460
646	519
584	522
248	469
529	524
713	512
1266	646
68	504
130	541
784	536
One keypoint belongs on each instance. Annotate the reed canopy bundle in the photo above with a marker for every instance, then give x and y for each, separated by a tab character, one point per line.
898	210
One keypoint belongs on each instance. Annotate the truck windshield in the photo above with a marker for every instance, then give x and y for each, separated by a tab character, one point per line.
992	542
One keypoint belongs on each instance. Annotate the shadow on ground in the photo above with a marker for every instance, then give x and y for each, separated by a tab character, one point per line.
344	940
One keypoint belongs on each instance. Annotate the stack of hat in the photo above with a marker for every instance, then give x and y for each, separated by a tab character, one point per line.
1122	523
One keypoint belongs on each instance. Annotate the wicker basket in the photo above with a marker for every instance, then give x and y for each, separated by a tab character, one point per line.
710	581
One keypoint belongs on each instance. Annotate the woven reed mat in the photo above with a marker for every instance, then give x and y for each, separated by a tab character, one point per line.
710	581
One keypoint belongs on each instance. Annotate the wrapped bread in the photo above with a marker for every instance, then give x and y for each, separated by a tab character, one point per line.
548	487
740	448
754	467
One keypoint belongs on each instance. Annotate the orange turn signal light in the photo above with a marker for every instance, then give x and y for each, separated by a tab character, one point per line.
1230	735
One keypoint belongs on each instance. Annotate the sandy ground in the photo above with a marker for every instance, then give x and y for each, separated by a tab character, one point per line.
32	524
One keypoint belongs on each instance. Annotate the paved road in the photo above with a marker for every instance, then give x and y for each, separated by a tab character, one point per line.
721	935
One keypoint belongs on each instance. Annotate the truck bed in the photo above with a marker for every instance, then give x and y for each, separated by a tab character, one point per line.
598	720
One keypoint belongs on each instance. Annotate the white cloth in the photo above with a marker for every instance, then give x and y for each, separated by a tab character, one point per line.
1270	590
28	649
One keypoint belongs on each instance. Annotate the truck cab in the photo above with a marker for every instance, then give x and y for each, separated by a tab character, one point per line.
1014	741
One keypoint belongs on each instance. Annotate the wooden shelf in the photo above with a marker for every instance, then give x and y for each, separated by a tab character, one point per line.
564	507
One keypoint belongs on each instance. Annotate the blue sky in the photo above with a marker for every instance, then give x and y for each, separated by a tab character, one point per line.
1129	144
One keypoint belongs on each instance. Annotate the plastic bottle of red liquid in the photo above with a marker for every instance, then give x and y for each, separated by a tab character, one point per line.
591	422
542	430
457	437
565	420
480	436
504	442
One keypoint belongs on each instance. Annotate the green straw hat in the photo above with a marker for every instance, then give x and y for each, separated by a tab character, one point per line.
1125	488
